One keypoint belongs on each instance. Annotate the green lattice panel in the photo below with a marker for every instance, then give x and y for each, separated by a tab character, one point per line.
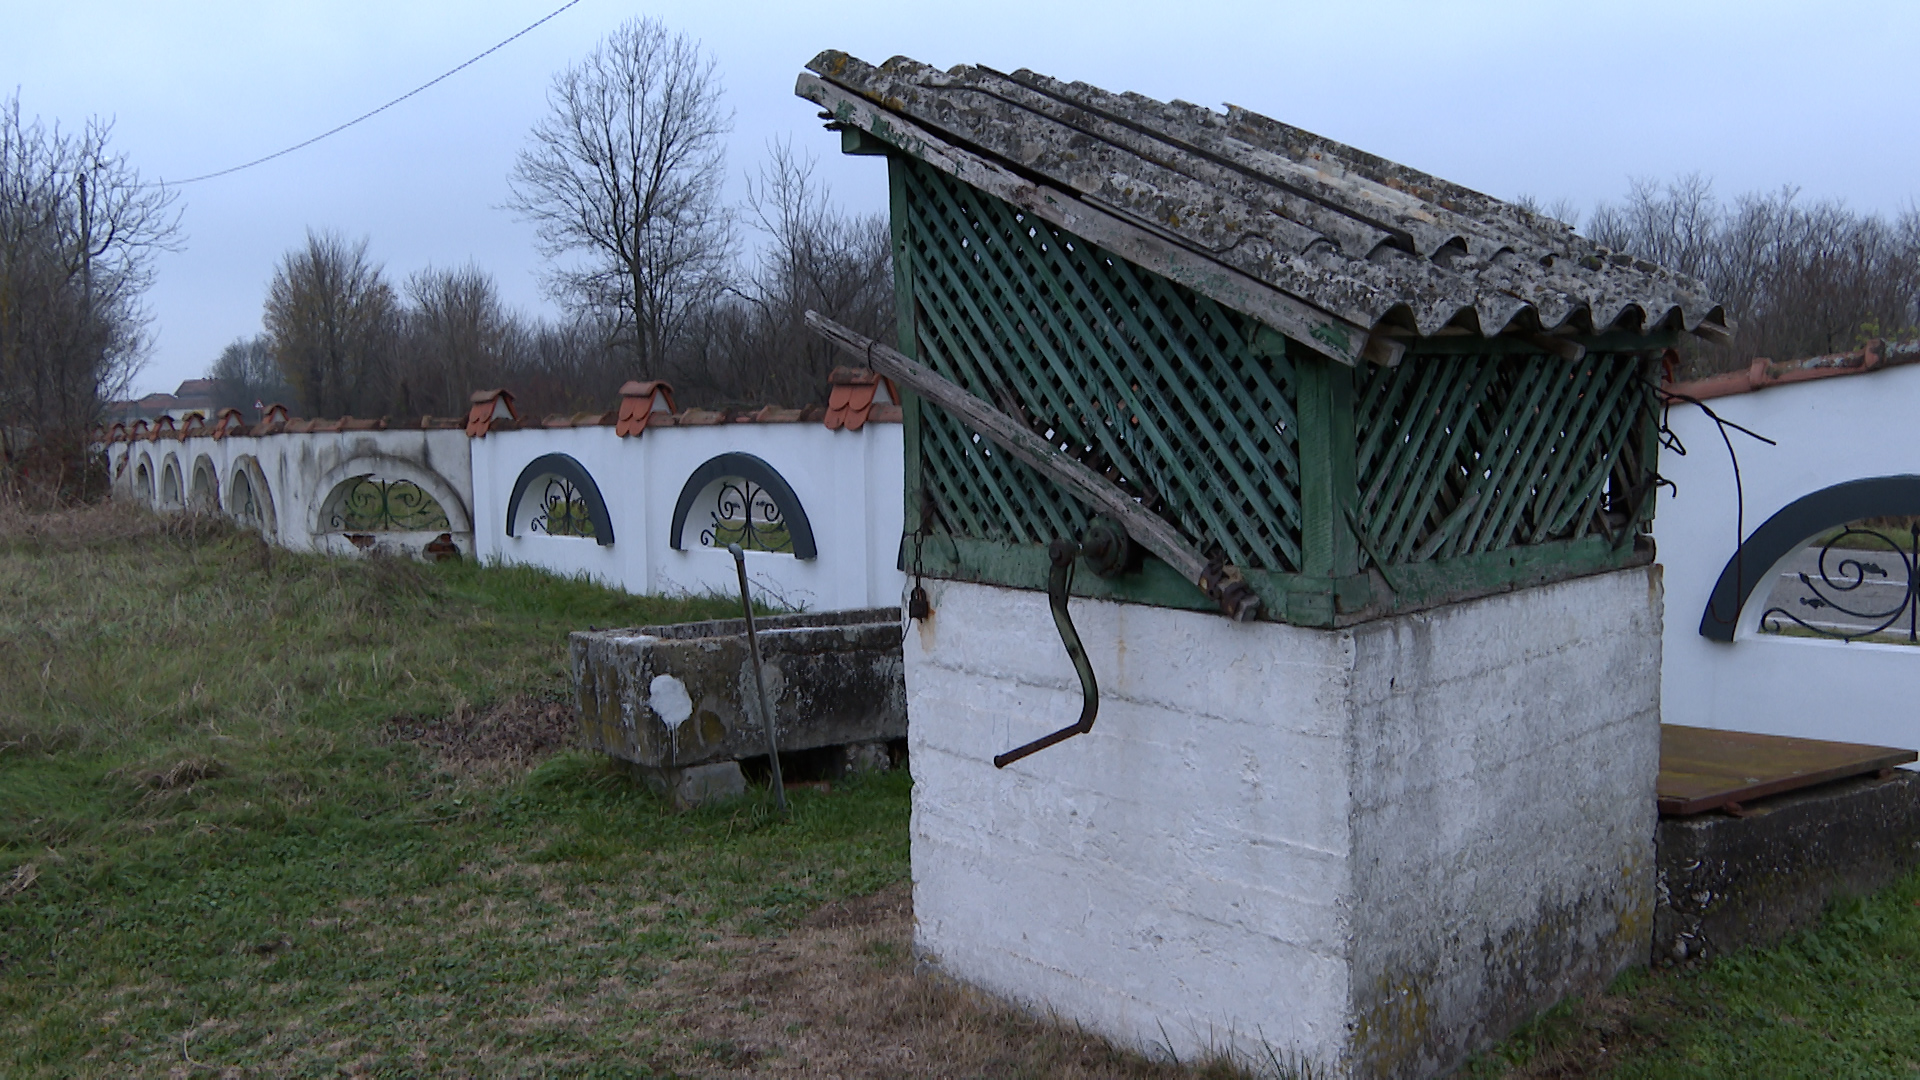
1465	454
1158	387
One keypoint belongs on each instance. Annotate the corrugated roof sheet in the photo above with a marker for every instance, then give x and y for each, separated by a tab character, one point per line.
1373	243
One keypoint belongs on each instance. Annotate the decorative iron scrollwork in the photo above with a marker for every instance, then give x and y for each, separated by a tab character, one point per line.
747	515
563	511
1850	577
370	505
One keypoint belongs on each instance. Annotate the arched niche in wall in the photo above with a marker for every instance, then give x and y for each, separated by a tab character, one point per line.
204	492
249	499
170	489
739	499
556	496
143	479
1861	544
372	503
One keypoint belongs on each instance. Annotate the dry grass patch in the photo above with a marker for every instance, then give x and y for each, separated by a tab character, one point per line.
840	996
499	743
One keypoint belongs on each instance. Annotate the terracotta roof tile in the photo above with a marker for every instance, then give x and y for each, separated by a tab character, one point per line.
852	397
701	418
488	407
1764	373
642	403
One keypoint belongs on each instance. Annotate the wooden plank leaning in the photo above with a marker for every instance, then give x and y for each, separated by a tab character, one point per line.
1220	580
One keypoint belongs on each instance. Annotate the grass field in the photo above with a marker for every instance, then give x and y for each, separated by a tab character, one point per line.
275	815
267	814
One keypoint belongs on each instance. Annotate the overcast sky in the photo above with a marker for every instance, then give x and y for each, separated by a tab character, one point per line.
1553	99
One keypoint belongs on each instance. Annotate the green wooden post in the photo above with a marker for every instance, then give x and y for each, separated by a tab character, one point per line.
907	341
1329	492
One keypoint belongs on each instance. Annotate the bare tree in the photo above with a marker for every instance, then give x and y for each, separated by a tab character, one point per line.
78	235
245	373
330	321
457	339
1798	279
623	176
756	348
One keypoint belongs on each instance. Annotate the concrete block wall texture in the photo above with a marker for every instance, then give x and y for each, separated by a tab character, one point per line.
1375	848
1828	431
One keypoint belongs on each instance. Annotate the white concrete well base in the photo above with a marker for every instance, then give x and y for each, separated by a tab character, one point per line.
1375	849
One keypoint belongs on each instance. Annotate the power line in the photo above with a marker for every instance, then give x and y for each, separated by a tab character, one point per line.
443	76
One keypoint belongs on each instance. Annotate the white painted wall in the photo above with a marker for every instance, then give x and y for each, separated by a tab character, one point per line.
1375	847
1829	431
849	482
299	470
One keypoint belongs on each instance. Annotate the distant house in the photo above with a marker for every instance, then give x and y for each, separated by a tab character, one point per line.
192	396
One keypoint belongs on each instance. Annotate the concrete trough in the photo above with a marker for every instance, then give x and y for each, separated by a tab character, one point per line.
677	704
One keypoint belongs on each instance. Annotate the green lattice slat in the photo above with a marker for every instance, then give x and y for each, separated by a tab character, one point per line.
1460	455
1574	467
1014	327
1555	394
1162	384
1413	420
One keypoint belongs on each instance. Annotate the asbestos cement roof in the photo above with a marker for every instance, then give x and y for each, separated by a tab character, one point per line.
1374	244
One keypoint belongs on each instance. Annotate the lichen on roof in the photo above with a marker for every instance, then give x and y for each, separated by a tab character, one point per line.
1376	245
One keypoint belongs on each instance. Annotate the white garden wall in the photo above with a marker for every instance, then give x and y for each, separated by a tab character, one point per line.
293	473
1829	430
847	483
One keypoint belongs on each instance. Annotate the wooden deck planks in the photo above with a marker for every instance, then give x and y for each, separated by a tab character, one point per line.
1704	769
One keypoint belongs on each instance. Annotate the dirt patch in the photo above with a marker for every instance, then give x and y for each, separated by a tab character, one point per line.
500	742
840	997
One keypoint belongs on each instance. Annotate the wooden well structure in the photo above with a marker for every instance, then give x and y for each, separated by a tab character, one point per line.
1412	802
1372	390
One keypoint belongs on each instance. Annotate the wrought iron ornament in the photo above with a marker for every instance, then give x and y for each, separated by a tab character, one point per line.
1848	581
370	505
563	511
747	515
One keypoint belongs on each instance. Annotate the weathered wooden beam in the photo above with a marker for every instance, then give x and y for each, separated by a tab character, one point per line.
1570	351
1313	327
1222	582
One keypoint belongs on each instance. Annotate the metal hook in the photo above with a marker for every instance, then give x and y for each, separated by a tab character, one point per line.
1059	580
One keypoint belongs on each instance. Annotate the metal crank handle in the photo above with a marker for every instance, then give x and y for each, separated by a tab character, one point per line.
1059	580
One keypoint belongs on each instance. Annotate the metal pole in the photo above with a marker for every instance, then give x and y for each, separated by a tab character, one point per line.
759	684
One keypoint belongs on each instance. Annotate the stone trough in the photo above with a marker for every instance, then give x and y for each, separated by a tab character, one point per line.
676	702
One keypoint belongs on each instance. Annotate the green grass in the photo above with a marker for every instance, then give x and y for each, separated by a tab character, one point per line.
1838	1000
218	855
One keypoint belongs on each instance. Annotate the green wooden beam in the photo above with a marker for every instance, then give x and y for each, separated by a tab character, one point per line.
1329	493
861	144
1475	345
906	335
1299	599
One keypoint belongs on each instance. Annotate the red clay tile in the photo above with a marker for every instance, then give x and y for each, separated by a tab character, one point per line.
1763	373
489	406
642	403
852	397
